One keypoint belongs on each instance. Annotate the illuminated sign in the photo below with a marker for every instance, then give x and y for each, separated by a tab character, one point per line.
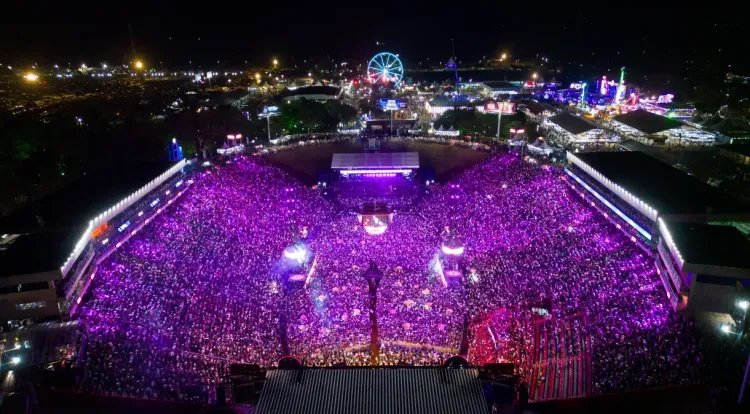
577	86
270	109
392	104
665	98
504	107
123	227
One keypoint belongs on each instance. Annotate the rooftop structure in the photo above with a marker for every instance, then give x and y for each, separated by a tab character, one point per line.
572	124
702	265
711	250
646	122
373	390
497	88
380	162
657	189
72	207
571	129
313	93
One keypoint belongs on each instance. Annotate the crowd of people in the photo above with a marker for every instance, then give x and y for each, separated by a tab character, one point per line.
539	252
203	286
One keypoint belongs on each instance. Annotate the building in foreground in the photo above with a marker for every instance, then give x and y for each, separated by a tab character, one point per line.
49	251
667	212
373	390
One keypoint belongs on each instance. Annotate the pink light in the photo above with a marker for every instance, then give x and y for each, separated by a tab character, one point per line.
230	136
375	230
453	251
396	171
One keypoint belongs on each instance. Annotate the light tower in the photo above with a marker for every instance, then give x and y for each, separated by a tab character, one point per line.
621	86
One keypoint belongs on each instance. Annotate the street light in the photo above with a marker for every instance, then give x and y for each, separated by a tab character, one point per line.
504	56
138	64
534	75
275	62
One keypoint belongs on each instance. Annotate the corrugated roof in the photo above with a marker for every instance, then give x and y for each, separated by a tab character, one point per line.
667	189
647	122
722	246
571	123
373	390
378	160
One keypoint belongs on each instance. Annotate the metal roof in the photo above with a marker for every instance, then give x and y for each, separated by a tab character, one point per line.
378	160
573	124
670	191
647	122
373	390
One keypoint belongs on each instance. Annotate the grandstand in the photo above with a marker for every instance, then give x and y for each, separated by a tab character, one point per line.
47	247
647	198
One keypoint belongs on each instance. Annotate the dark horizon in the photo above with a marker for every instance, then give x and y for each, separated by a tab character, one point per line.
653	40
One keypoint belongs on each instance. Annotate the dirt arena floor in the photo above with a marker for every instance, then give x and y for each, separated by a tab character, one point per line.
447	160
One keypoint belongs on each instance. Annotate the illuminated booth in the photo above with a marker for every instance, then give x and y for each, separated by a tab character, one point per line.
375	217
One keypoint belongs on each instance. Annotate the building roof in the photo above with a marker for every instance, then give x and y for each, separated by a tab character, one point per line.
647	122
571	123
441	101
36	253
667	189
501	85
534	107
387	122
373	390
73	206
378	160
709	245
312	90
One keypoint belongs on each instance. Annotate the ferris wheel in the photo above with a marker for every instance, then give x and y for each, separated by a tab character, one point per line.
385	68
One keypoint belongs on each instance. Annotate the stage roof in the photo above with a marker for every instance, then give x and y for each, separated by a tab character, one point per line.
372	390
647	122
667	189
571	123
704	244
375	161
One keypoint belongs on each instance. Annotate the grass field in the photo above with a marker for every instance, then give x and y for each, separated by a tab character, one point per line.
306	162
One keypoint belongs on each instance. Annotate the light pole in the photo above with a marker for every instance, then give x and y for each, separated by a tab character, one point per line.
499	116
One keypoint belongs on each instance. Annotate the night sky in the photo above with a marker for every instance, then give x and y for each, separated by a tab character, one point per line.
663	39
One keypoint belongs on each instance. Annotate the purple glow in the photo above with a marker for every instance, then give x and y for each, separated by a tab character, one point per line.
201	286
355	172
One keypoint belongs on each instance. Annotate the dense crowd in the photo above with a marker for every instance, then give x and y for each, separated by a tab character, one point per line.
203	286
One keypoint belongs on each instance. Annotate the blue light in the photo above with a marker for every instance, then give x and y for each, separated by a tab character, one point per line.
123	226
610	205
